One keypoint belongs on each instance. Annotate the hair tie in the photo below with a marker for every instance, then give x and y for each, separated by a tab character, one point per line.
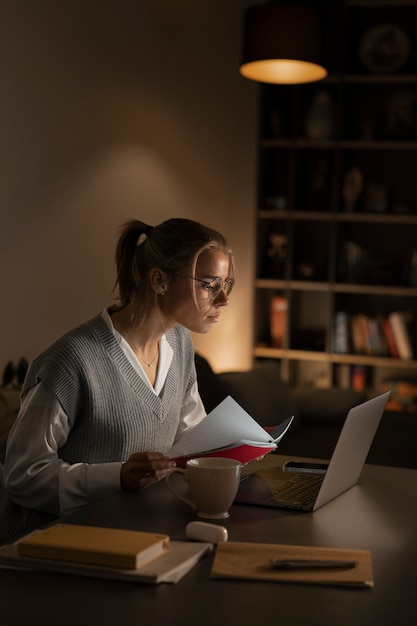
148	229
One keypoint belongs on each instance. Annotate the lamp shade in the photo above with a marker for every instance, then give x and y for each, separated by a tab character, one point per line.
282	44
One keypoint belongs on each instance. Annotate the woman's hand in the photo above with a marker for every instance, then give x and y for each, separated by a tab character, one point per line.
143	469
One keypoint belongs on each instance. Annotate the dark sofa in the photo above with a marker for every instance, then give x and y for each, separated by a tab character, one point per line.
261	392
319	413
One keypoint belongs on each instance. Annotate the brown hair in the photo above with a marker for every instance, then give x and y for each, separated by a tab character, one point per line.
171	246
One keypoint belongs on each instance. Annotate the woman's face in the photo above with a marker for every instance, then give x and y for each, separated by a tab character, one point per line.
188	302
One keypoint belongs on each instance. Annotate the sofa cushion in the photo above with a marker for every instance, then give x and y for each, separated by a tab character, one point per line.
325	406
260	391
211	388
9	407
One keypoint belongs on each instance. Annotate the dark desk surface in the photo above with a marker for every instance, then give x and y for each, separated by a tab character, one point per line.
379	514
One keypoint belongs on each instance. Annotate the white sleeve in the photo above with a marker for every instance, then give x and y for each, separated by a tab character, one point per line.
34	474
192	412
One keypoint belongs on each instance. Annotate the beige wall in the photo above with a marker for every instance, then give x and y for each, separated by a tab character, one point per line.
112	110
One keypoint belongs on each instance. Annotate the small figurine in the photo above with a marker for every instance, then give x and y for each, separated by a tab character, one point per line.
352	188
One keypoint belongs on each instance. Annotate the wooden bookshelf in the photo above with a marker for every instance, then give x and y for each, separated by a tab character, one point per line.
321	252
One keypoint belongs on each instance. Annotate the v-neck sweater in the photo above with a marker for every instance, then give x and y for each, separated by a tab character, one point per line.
114	412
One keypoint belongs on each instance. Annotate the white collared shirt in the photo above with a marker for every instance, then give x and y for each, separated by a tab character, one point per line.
35	475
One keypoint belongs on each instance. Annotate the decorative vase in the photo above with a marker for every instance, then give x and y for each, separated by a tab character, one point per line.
320	117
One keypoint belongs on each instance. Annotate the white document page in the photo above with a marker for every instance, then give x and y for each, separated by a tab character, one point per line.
226	425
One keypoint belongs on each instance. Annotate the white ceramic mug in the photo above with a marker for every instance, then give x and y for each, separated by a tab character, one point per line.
212	482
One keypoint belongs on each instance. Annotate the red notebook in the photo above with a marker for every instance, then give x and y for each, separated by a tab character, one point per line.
228	431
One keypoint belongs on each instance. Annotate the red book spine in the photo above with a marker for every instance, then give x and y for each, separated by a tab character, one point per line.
245	453
278	320
399	327
390	339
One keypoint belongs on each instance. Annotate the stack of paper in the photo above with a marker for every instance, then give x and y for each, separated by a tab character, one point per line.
113	553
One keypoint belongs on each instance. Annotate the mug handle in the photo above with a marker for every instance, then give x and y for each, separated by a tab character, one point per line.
178	470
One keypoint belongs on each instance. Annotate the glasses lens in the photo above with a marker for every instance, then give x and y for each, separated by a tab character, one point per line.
218	284
229	284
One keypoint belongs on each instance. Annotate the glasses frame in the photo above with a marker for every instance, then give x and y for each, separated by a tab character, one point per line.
215	286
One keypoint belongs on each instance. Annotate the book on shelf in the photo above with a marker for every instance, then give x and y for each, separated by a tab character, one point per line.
252	561
372	342
372	336
341	333
91	545
390	338
358	335
278	320
376	345
382	337
170	567
400	323
363	320
343	376
358	378
228	431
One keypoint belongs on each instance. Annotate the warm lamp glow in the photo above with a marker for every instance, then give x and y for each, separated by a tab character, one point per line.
282	44
283	71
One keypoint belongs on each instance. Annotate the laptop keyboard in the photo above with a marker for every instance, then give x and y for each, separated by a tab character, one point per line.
299	490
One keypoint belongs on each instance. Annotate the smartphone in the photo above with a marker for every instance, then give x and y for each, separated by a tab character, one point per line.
304	467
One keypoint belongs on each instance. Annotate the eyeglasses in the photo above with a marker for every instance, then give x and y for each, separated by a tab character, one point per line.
215	286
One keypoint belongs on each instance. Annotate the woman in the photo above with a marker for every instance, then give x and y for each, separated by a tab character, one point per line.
102	407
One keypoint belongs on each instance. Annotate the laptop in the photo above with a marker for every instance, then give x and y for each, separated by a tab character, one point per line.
343	471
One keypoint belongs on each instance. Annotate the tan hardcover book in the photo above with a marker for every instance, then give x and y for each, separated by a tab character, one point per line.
171	567
111	547
252	561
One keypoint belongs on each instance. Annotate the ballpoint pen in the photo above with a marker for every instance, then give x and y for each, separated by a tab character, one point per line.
311	564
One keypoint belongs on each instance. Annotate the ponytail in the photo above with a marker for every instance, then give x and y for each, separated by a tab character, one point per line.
129	276
171	246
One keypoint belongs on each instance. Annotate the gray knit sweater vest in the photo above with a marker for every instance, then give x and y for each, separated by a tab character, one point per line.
113	411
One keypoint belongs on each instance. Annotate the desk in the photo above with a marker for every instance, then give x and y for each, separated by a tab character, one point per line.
379	514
